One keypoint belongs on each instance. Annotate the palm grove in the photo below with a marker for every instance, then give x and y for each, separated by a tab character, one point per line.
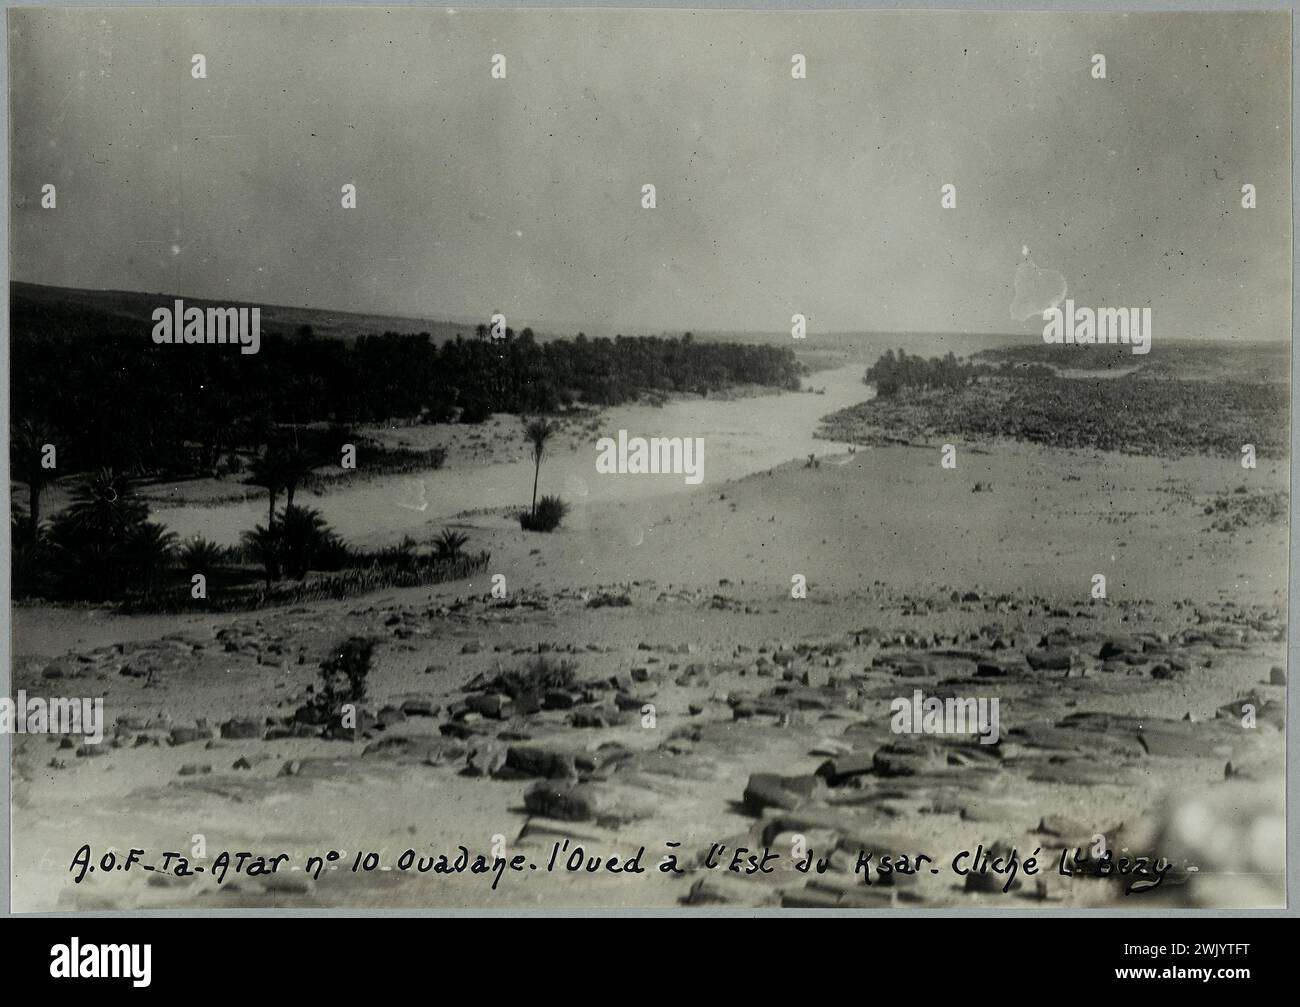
119	412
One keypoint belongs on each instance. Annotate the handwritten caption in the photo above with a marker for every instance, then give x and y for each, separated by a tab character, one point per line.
565	857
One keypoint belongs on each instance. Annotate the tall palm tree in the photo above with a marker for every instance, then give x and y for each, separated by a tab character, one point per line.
26	441
537	433
92	538
104	508
295	468
267	471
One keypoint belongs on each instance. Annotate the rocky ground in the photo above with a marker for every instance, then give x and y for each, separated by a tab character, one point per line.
649	679
637	715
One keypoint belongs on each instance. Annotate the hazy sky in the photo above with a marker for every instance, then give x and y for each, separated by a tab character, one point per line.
775	195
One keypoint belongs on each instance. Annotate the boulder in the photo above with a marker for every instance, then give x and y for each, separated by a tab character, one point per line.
242	729
187	735
605	804
770	790
1056	659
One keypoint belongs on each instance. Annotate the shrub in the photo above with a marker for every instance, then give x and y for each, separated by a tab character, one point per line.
342	681
200	556
550	512
303	536
299	541
35	573
401	556
333	554
262	546
610	601
449	544
147	552
475	409
536	677
363	576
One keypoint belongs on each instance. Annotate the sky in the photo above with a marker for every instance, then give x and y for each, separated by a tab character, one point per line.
775	196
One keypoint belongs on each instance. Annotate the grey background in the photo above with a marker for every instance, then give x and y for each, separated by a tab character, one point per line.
1001	200
774	196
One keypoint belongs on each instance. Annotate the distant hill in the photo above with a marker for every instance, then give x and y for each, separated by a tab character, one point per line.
37	307
34	307
1184	360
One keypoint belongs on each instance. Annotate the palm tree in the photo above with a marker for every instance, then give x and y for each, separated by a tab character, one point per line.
303	535
91	540
201	556
104	508
537	433
449	543
148	550
267	471
262	545
295	468
26	442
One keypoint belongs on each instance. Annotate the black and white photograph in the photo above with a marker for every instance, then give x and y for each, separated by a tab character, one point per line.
647	459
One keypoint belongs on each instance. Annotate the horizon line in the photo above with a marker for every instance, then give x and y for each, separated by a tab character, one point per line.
662	333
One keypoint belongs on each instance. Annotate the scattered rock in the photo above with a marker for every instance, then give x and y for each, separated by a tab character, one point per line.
842	768
768	790
485	759
188	735
605	804
240	729
1050	660
907	758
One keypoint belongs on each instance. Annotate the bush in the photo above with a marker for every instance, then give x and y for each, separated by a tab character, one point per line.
475	409
299	541
34	571
449	544
401	556
146	553
550	512
333	554
343	680
610	601
536	677
303	536
104	543
262	546
201	556
364	575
